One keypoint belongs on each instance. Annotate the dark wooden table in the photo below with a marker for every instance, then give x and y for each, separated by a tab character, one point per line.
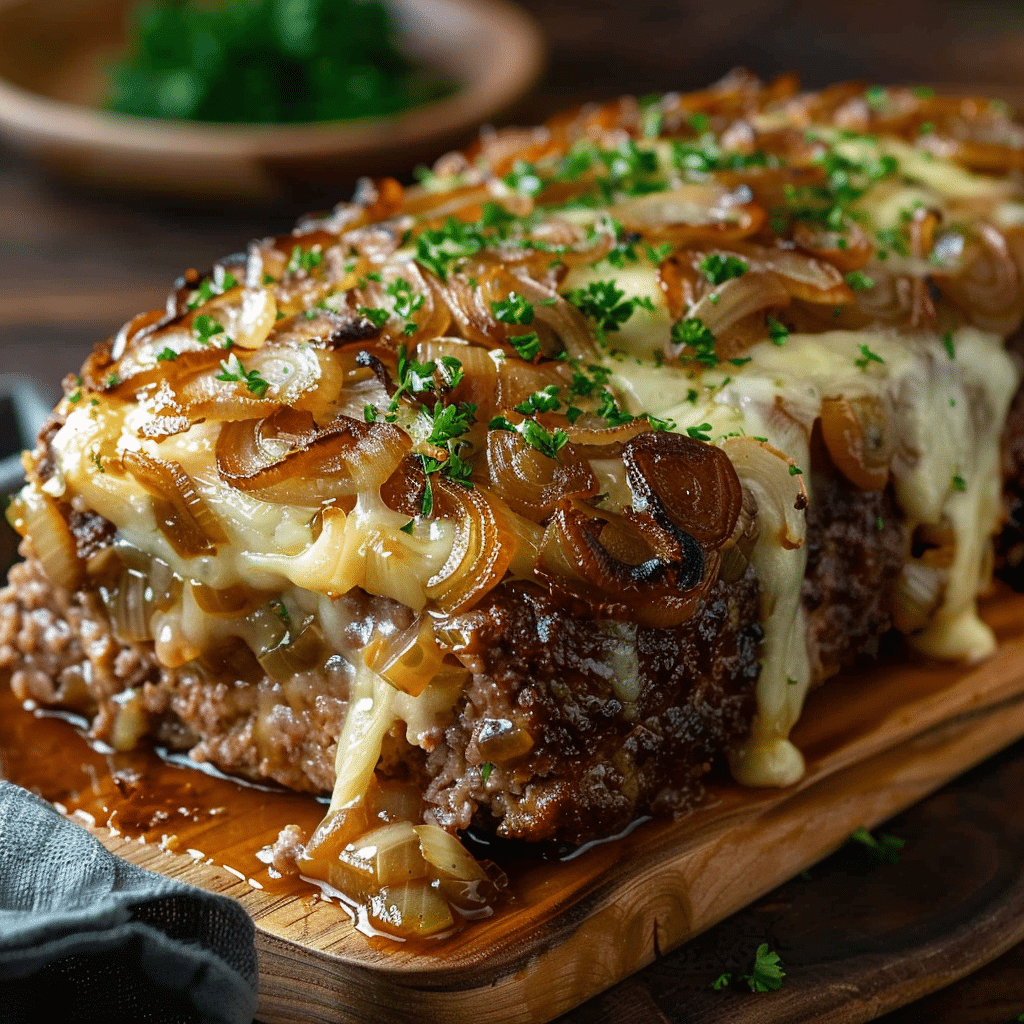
74	266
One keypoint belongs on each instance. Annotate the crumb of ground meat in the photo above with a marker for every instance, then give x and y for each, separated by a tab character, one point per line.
287	849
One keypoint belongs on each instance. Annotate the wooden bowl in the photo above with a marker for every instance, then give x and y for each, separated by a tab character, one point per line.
52	59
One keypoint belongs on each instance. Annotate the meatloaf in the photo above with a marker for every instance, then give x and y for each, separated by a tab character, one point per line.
510	503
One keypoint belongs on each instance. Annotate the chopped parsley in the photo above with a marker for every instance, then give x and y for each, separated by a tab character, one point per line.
113	380
538	437
719	269
167	355
485	771
441	249
884	849
867	356
700	432
778	332
408	528
606	304
694	334
795	471
233	370
658	253
210	287
306	260
859	281
527	345
947	344
513	310
205	327
958	482
406	303
523	178
375	314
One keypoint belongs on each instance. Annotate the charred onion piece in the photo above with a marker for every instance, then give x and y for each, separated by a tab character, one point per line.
624	566
685	484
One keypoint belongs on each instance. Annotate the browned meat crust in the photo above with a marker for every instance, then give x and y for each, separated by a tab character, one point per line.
856	546
568	758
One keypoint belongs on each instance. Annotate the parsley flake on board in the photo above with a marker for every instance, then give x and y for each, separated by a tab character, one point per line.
233	370
767	974
719	269
883	849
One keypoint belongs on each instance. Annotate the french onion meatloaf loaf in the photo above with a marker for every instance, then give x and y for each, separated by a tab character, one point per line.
507	504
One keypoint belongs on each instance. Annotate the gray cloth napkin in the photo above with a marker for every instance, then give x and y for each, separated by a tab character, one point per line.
88	934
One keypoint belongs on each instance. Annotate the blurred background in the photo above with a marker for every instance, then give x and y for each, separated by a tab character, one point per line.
74	265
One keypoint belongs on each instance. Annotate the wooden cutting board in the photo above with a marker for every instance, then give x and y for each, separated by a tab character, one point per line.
875	742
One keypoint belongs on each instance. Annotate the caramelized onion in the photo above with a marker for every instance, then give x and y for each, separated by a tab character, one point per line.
989	288
286	458
860	438
408	659
181	514
691	483
483	549
531	483
624	566
36	515
723	308
709	212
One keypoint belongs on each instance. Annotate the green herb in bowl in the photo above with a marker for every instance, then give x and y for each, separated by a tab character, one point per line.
267	61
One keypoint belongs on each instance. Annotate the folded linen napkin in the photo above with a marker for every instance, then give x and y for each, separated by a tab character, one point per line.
86	933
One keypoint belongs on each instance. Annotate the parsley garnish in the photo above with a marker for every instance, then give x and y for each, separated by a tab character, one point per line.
885	849
523	178
778	332
959	483
221	282
375	314
167	355
441	249
527	345
867	356
205	327
513	310
694	334
485	771
719	269
700	433
304	259
947	344
540	401
795	471
406	303
233	370
606	304
859	281
547	442
113	380
658	253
